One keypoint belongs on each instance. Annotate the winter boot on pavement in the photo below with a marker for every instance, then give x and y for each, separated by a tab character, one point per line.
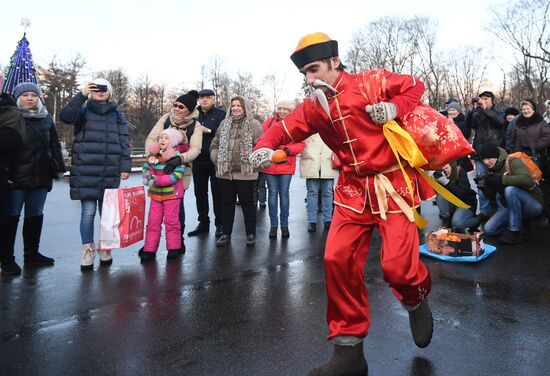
511	237
88	256
105	257
345	361
421	322
8	231
147	256
273	232
284	232
32	230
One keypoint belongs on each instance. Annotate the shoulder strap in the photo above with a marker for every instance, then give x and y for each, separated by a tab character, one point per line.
41	138
190	130
167	122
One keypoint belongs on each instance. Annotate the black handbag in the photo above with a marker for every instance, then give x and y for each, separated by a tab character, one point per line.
54	167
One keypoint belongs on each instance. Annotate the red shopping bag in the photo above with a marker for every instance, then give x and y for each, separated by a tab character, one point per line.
122	217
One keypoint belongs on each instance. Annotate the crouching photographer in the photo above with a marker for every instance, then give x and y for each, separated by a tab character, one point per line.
517	194
455	179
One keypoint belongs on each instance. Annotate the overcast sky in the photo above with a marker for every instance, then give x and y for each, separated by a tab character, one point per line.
171	39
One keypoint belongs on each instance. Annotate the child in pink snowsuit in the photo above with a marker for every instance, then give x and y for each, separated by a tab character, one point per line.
166	192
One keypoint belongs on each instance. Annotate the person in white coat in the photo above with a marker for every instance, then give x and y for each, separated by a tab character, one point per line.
316	166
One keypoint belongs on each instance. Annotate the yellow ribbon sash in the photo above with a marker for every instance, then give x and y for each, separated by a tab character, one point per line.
404	147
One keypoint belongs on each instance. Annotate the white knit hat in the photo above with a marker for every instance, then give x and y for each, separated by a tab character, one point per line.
102	81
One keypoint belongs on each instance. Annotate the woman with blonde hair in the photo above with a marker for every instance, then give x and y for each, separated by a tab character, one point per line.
230	151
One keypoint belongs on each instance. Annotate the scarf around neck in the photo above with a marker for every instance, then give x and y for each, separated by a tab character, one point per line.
184	122
39	113
244	137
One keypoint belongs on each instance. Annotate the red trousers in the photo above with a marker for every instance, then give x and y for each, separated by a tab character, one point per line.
348	241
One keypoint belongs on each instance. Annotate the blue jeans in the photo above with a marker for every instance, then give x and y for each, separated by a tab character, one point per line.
485	204
278	187
520	205
87	218
33	199
461	219
327	197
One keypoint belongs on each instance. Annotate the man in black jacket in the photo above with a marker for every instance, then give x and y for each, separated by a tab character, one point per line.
455	179
203	168
489	124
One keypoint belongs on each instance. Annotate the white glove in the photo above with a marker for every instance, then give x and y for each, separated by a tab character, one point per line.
152	181
443	180
261	158
381	112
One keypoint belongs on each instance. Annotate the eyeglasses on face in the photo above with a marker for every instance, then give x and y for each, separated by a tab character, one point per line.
179	105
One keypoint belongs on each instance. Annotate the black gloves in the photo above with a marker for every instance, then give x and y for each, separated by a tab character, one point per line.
171	164
495	182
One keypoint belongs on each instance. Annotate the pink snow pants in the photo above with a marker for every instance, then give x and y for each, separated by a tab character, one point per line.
167	211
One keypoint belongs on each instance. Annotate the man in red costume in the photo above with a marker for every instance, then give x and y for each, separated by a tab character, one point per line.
371	193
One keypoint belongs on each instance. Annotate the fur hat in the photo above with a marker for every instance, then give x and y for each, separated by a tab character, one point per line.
314	47
528	102
189	100
488	151
102	81
286	104
455	105
27	87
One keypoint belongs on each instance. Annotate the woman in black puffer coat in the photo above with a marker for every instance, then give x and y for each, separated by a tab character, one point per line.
100	158
31	179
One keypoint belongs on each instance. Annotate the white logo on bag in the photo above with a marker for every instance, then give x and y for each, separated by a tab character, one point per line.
138	223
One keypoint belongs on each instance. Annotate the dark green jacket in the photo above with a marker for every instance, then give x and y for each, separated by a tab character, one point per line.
517	176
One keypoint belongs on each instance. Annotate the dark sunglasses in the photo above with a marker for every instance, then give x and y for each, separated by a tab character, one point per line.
180	106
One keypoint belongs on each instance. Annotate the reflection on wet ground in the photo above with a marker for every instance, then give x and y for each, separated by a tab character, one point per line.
260	311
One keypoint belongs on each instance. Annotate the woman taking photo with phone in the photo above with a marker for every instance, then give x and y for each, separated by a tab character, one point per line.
100	158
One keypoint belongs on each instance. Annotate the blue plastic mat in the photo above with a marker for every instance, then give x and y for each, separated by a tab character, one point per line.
488	250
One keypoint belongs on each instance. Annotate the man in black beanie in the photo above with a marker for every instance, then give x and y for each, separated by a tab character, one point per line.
489	125
510	183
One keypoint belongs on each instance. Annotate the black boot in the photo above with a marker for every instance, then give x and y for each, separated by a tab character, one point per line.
32	229
202	228
422	324
511	237
273	232
8	232
345	361
284	232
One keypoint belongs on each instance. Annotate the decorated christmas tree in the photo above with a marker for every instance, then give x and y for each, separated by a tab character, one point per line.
21	67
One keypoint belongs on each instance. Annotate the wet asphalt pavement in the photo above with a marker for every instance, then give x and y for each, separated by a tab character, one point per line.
261	311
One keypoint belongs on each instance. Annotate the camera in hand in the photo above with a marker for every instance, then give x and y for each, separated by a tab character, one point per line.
481	181
101	88
438	173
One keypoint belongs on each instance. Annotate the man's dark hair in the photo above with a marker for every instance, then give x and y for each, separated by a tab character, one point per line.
340	67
